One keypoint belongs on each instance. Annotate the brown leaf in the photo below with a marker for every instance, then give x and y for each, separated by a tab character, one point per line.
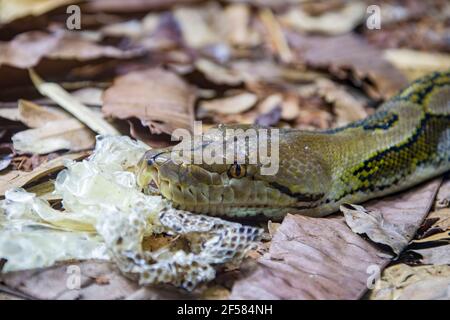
14	179
372	224
321	258
133	5
230	105
35	116
159	98
415	64
350	57
346	107
68	134
12	10
331	22
402	282
27	49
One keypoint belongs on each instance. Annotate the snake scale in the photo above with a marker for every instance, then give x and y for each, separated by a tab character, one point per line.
406	142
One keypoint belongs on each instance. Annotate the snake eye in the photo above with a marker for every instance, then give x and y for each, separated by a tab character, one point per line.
237	171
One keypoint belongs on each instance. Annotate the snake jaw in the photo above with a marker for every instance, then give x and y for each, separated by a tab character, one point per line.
196	189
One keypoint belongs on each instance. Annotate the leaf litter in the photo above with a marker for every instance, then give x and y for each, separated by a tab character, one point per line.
107	217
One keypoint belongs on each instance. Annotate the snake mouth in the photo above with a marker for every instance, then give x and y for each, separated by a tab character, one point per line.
194	189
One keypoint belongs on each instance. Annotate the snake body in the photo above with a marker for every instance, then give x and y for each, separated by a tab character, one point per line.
404	143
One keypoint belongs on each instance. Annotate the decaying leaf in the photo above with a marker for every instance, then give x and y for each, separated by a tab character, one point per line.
11	10
333	22
437	255
159	98
239	32
402	282
314	258
217	73
231	105
15	179
346	107
350	57
73	106
200	26
35	116
415	63
68	134
372	224
275	35
27	49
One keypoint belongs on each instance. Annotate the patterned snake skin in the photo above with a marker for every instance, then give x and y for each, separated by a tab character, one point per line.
404	143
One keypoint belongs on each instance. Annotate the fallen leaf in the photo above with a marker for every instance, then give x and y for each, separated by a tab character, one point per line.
200	25
230	105
133	5
272	227
45	190
12	10
334	22
416	64
35	116
346	107
350	57
159	98
438	255
270	118
217	73
73	106
68	134
27	49
402	282
372	224
239	32
275	35
313	258
215	292
16	178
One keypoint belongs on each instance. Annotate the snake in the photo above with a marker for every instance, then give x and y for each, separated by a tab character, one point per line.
406	141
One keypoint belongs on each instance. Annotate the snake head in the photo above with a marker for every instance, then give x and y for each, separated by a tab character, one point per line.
228	187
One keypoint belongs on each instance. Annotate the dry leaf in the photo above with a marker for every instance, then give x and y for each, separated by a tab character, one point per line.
12	10
416	64
118	6
402	282
27	49
72	105
276	35
35	116
217	73
346	107
372	224
159	98
322	258
350	57
438	255
230	105
200	25
68	134
443	196
45	190
16	179
238	30
335	22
